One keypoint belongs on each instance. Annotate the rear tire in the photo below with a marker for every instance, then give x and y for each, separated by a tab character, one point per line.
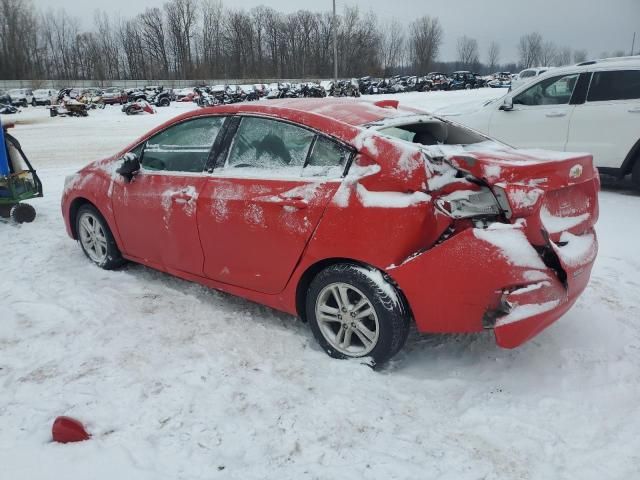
355	311
96	239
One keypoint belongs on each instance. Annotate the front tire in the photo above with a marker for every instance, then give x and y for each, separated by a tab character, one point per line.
96	239
355	312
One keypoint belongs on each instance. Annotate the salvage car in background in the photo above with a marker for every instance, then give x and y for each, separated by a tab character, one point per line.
114	96
526	76
44	96
288	204
21	96
590	107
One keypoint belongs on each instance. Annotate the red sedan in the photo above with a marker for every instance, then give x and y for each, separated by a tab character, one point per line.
360	218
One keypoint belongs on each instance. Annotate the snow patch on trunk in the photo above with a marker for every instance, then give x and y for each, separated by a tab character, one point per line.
555	224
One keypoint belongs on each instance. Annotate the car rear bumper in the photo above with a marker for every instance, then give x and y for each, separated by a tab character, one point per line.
495	279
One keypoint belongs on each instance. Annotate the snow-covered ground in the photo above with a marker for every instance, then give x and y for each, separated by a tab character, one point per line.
176	381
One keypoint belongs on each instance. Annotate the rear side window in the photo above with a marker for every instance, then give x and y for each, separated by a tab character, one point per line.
262	143
615	85
327	158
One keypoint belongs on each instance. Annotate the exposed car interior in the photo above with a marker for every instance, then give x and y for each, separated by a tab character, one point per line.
433	132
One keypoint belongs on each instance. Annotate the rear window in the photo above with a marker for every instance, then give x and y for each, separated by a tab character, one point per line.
527	74
615	85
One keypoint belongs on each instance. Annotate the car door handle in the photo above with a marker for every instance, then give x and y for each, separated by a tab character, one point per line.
556	114
295	202
634	110
181	197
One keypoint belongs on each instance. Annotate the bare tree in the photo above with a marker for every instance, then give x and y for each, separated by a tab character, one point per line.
181	19
563	57
393	45
530	49
467	49
426	39
579	56
548	53
493	55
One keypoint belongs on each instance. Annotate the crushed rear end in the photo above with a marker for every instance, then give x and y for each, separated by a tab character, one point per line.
516	267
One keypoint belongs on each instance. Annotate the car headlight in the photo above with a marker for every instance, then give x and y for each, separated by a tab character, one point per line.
470	204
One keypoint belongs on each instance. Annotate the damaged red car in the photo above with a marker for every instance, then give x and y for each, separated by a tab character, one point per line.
360	218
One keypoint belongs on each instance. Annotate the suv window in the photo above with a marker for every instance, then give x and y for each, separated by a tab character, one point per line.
550	91
527	74
615	85
184	147
262	143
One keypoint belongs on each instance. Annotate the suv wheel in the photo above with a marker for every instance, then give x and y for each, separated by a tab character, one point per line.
635	173
355	312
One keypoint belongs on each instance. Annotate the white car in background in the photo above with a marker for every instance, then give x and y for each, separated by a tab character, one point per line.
21	96
525	76
43	96
590	107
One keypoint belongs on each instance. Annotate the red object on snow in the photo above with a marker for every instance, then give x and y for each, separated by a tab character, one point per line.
67	429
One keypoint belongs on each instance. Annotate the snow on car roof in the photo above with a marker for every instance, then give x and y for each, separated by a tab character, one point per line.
347	110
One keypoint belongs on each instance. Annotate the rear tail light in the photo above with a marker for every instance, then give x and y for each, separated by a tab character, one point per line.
470	204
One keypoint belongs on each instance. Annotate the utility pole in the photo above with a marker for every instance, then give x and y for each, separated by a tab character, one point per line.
633	43
335	45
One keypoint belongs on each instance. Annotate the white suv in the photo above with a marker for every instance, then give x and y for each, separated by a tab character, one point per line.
590	107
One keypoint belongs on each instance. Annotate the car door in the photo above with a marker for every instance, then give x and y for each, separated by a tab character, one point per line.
608	123
262	203
156	212
540	115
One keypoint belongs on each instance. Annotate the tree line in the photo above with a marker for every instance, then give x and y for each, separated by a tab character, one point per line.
198	39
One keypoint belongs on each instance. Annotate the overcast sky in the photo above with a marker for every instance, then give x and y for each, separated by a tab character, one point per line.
595	25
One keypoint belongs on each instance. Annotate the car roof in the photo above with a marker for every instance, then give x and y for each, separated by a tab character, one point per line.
347	115
615	63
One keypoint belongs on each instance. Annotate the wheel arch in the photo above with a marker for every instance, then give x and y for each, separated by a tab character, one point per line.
312	270
630	160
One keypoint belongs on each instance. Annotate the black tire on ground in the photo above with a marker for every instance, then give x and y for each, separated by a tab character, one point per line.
165	102
635	173
34	103
113	258
129	111
25	104
389	305
23	213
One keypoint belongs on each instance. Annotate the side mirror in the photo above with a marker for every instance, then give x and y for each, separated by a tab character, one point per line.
130	166
507	104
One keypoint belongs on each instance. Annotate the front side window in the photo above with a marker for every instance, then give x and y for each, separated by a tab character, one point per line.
550	91
184	147
265	144
615	85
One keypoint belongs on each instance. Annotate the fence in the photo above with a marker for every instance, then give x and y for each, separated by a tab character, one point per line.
57	84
